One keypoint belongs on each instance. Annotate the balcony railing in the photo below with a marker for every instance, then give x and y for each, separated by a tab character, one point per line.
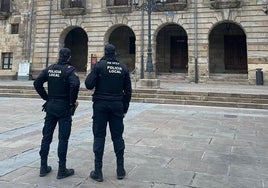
5	9
73	7
170	5
220	4
119	6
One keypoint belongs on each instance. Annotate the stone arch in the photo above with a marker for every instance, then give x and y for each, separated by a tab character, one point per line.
227	49
123	37
171	49
76	39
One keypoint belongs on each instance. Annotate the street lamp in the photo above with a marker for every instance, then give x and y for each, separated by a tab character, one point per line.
149	64
149	7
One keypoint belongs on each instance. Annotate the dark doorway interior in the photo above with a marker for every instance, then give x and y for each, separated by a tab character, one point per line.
172	50
227	49
124	40
234	48
178	53
77	41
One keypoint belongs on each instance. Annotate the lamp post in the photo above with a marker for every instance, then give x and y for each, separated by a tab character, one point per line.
148	6
195	43
48	35
149	64
150	80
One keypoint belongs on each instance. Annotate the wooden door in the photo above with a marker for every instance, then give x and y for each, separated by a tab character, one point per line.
235	52
178	52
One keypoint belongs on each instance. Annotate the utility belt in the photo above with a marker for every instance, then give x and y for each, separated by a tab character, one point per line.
107	98
58	98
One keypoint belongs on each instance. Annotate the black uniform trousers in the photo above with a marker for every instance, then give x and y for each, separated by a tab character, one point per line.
58	111
108	112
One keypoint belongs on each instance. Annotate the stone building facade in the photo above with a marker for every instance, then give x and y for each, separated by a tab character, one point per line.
203	40
15	32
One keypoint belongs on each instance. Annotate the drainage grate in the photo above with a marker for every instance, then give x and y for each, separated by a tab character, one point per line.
230	116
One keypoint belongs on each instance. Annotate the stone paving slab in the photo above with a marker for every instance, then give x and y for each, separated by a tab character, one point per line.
167	146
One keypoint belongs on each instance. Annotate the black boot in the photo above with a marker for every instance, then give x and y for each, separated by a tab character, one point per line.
119	147
63	172
44	169
97	173
121	173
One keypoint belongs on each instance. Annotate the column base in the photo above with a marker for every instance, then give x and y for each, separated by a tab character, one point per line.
150	83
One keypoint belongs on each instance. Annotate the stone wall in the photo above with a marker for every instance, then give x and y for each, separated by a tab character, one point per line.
18	44
98	23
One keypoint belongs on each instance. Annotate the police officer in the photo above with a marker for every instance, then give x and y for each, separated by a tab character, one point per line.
111	98
61	100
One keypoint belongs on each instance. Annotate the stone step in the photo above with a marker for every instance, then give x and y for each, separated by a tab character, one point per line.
258	101
173	77
202	103
234	79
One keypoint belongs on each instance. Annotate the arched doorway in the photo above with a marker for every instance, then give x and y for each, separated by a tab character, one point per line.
227	49
124	40
77	41
172	50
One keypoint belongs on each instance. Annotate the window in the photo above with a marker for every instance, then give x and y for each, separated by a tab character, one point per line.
5	5
15	28
171	1
76	4
7	60
120	2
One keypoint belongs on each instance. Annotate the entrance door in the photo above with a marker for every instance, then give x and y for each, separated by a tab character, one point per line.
77	41
234	52
178	53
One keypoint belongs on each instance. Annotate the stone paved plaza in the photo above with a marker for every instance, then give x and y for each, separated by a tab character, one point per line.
167	146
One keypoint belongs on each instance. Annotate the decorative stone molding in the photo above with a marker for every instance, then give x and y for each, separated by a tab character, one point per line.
74	7
119	9
221	4
4	15
73	11
179	5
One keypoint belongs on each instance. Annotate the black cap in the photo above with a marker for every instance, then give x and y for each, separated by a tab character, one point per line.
65	53
109	49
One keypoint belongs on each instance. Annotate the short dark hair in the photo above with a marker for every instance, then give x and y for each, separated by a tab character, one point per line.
109	49
65	53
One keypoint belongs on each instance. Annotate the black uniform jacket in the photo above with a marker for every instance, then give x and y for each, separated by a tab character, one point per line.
111	81
63	82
